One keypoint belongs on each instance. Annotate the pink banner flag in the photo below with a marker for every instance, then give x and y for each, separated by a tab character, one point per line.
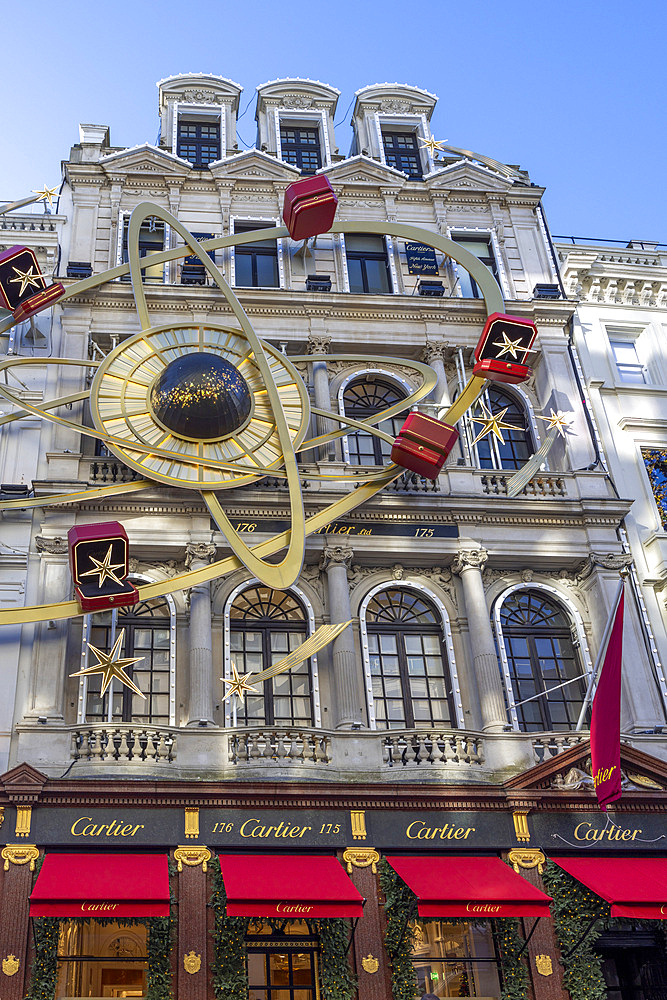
606	716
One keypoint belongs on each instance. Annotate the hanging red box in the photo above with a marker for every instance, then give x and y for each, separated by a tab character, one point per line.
423	444
99	561
309	207
503	347
20	276
39	302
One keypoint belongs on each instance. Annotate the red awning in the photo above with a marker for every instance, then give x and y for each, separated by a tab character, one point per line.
469	887
635	887
268	885
102	885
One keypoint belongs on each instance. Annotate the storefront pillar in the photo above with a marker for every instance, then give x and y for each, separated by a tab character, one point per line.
434	355
468	564
320	344
374	981
335	560
48	665
193	958
14	916
200	710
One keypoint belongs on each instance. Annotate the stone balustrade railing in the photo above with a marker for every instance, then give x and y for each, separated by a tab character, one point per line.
284	746
412	749
123	743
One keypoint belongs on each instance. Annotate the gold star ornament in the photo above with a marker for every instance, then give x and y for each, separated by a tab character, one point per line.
432	144
111	666
105	569
493	423
238	685
558	420
47	194
27	279
512	347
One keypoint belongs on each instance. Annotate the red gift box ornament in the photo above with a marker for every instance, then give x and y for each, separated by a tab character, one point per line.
23	287
309	207
501	353
99	561
423	444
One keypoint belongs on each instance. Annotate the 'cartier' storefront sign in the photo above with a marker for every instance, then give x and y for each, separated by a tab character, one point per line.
333	829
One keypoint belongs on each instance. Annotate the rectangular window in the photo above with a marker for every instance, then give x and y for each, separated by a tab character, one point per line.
629	367
482	248
455	960
198	142
367	264
151	240
256	264
301	147
655	460
100	959
402	152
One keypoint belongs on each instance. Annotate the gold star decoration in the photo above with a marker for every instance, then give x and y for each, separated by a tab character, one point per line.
27	278
47	194
104	568
238	685
512	347
558	420
111	666
493	423
432	144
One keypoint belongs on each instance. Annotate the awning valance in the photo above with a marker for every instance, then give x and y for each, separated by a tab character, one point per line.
469	887
102	885
635	887
296	887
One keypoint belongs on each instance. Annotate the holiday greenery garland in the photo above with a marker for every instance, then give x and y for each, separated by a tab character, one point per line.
336	979
400	904
573	909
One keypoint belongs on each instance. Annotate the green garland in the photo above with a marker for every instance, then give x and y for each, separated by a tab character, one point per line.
159	944
400	903
229	966
572	910
45	966
336	979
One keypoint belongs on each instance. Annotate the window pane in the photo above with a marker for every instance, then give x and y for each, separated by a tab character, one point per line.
243	268
267	271
355	275
376	276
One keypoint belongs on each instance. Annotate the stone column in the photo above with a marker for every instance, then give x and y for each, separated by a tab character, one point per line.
335	560
193	958
47	682
320	344
14	924
434	355
468	565
198	555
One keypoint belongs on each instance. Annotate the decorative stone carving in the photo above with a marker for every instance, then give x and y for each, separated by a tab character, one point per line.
361	857
469	557
19	854
527	575
341	553
311	574
606	560
199	551
56	546
527	857
397	572
439	349
489	576
297	101
393	106
192	857
318	343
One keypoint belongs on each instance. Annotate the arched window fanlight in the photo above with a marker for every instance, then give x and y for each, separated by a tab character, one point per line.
363	398
265	625
547	680
518	446
408	664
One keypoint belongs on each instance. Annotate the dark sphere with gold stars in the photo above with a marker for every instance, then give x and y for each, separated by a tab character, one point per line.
201	397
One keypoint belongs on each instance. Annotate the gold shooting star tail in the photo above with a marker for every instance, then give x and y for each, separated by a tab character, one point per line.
318	640
521	478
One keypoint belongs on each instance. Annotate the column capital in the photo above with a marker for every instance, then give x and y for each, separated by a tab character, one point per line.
55	545
604	560
199	551
438	350
340	553
469	558
318	343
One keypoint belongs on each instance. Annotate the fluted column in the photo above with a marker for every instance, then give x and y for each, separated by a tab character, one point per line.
335	560
47	682
198	555
468	565
434	355
319	343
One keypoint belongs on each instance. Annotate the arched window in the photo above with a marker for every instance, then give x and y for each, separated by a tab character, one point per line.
548	684
148	634
410	678
363	398
518	446
265	625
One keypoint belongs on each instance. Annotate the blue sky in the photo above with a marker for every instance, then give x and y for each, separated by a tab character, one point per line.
574	92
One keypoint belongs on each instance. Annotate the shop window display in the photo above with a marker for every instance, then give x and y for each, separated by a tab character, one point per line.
455	959
97	959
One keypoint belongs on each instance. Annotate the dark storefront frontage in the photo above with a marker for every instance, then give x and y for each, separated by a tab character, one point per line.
118	888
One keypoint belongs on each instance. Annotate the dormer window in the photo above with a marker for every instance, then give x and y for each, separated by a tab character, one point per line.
300	146
401	151
198	142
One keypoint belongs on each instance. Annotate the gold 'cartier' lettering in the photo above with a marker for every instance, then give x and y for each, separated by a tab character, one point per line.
293	908
116	828
253	828
586	831
97	907
418	830
482	908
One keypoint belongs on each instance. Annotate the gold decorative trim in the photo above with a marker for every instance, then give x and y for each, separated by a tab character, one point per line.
361	857
23	820
370	964
544	965
10	965
2	815
358	821
20	854
520	817
527	857
192	856
191	822
192	962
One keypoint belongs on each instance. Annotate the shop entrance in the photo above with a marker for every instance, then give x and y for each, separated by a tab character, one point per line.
100	960
634	964
282	961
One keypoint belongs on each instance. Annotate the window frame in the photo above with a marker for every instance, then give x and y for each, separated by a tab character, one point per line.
618	338
123	249
395	134
410	122
467	963
371	255
576	624
199	113
458	720
530	431
353	376
300	147
463	234
261	223
298	118
310	629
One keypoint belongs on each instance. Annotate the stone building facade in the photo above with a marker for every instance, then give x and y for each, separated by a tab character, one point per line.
451	701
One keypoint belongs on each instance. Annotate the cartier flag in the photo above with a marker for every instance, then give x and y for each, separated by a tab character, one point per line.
606	715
